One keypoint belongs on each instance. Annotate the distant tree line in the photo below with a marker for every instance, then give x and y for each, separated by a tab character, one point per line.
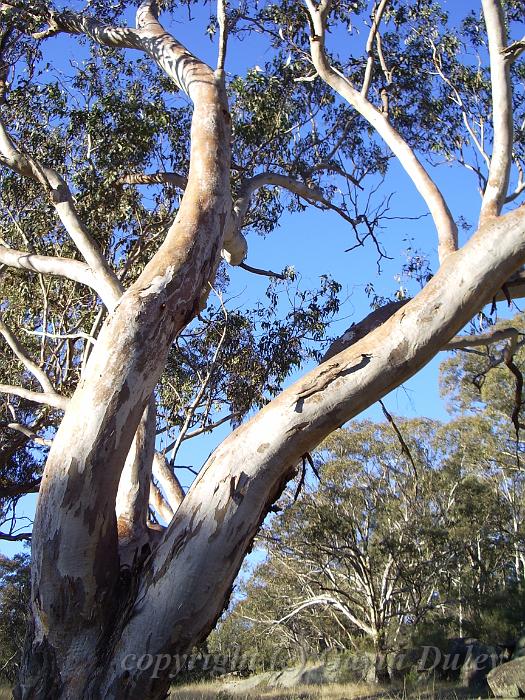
414	532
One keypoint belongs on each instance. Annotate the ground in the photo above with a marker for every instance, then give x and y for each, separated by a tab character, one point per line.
207	691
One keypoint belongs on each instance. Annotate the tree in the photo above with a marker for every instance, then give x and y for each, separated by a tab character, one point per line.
407	538
366	544
131	273
14	597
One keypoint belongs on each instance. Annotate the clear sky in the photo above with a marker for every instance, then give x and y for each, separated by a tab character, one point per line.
314	243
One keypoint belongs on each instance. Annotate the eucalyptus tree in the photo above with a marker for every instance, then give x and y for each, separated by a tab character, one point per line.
124	273
357	561
407	537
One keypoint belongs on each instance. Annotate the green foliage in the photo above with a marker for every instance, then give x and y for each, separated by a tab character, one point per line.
15	587
437	522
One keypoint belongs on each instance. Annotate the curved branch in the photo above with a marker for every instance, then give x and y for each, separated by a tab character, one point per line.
235	245
514	51
333	602
108	285
495	335
20	537
49	265
249	186
263	273
29	433
445	225
54	399
11	490
500	163
24	358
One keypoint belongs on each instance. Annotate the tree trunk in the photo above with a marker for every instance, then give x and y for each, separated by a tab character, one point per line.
381	672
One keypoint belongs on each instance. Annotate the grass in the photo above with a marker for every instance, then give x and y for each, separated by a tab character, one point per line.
206	691
5	693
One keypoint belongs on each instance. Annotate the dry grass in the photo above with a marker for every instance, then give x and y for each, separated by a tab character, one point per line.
5	693
206	691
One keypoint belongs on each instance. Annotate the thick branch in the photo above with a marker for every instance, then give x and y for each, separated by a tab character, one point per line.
357	331
330	601
48	265
222	20
12	490
133	492
20	537
170	485
160	504
28	432
502	117
235	246
76	507
446	228
263	273
54	399
514	51
107	283
495	335
159	178
248	471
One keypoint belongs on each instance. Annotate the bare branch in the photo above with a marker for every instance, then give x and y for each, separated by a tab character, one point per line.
264	273
159	178
48	265
223	36
133	492
28	432
107	283
28	363
514	50
170	485
514	287
54	399
160	504
20	537
235	246
168	53
376	21
445	225
357	331
62	336
495	335
206	428
327	600
520	186
499	171
72	23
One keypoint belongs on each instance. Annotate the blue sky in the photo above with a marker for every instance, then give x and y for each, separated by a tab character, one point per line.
314	243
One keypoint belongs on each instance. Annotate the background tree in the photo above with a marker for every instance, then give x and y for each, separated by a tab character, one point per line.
109	280
407	539
15	585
